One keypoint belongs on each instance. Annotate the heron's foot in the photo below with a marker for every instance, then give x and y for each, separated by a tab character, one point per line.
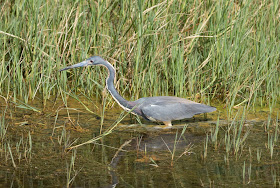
163	127
167	123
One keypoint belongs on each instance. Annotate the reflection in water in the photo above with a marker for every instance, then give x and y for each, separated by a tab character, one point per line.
150	143
158	143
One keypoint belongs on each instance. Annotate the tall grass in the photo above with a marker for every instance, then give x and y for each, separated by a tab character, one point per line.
209	49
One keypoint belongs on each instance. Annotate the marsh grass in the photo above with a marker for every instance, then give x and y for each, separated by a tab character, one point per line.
178	138
13	150
272	131
231	139
240	140
214	134
205	149
248	171
201	50
108	131
71	171
3	128
16	152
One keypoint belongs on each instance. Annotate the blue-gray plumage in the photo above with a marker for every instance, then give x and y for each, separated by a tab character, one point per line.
163	109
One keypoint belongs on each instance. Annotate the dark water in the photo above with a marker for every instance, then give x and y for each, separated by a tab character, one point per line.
134	155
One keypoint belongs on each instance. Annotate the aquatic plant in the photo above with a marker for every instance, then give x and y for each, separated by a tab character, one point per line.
201	50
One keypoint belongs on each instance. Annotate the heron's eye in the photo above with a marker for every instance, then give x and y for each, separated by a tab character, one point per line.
91	61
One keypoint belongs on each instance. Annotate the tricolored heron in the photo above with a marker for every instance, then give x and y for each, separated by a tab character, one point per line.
161	109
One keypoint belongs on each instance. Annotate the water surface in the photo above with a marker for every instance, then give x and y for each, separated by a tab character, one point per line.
35	150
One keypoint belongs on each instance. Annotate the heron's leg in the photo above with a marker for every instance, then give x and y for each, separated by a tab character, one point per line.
167	123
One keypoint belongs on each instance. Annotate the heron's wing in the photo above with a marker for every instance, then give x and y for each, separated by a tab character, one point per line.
168	111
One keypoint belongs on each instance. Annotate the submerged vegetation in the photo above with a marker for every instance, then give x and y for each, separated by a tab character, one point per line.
223	53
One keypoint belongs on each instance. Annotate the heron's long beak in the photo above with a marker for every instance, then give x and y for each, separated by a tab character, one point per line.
82	64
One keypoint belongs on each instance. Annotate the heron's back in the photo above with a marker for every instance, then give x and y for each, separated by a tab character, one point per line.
168	108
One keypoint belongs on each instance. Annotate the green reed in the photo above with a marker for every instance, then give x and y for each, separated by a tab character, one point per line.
249	173
177	139
71	171
205	149
223	49
272	131
3	129
13	150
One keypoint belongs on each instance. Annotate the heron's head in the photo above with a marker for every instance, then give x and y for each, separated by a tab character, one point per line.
94	60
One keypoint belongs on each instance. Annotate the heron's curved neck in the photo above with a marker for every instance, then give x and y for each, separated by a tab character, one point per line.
111	88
